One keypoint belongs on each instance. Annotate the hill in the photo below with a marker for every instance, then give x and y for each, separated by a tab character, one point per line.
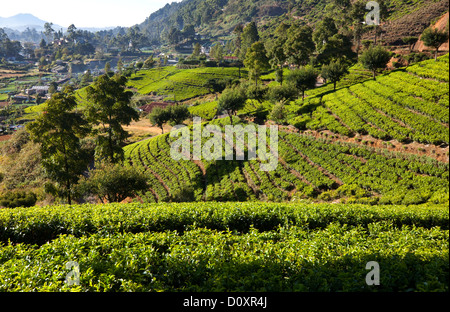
180	84
21	22
217	18
400	107
409	104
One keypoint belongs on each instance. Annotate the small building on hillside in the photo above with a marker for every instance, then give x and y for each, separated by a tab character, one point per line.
19	99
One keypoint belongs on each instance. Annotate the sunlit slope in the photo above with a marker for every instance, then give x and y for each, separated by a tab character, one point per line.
307	168
407	105
180	84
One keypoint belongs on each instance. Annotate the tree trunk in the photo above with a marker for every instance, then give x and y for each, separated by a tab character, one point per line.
111	150
374	74
335	85
435	54
69	198
66	168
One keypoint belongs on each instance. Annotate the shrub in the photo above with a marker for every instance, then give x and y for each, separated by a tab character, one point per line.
18	199
114	183
278	113
281	93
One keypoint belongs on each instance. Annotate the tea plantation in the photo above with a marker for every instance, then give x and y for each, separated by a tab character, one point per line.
214	246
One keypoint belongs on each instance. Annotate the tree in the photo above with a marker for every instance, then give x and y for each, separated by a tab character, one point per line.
337	45
114	182
188	32
248	37
48	31
278	113
299	44
410	41
109	108
324	30
197	50
71	30
217	52
358	31
238	40
177	114
120	65
275	51
59	131
303	79
86	78
158	117
334	71
149	62
173	36
375	58
42	44
434	38
279	75
53	88
231	100
107	67
256	60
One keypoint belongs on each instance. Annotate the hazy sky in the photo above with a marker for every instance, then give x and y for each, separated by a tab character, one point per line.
85	13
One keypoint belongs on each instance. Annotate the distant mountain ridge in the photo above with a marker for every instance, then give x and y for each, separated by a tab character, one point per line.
22	21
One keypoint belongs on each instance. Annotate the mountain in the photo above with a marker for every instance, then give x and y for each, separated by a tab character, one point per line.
23	21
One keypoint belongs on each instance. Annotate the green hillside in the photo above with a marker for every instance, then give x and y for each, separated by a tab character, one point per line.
180	84
217	18
224	247
409	104
308	168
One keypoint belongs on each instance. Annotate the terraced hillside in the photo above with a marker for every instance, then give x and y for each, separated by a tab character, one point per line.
407	105
307	168
180	84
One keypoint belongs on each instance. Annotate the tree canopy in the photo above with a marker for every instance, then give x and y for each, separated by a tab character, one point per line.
109	108
231	100
59	131
375	58
434	38
303	78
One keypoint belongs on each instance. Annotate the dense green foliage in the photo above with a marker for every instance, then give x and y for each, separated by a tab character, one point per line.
206	111
18	199
113	182
224	247
307	168
110	109
180	84
400	105
59	131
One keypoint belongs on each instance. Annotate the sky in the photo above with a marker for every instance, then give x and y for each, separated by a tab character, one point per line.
85	13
